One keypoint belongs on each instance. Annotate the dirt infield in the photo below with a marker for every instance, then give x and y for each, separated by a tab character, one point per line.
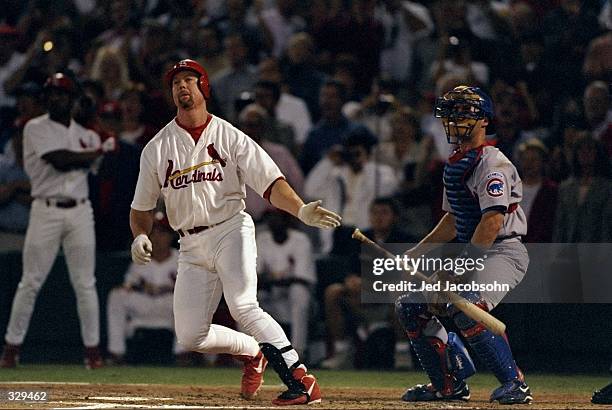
109	396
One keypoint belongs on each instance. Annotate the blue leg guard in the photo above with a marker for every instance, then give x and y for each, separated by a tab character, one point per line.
493	350
460	363
443	367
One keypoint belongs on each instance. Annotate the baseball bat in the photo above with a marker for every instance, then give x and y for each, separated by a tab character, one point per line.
474	312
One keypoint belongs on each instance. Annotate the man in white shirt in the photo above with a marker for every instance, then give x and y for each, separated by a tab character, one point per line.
348	181
58	154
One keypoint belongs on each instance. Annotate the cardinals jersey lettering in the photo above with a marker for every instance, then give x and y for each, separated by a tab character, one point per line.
202	183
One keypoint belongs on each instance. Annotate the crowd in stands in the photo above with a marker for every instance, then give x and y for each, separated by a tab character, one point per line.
340	94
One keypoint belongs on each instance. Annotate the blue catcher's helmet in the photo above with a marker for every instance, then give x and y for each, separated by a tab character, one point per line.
460	109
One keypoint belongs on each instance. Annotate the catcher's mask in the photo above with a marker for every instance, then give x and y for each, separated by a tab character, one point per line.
460	110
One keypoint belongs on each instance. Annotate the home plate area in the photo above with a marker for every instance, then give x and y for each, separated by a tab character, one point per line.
145	396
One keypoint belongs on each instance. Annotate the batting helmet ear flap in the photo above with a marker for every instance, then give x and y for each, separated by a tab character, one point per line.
194	66
204	85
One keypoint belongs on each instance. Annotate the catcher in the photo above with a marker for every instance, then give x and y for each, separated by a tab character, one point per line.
482	191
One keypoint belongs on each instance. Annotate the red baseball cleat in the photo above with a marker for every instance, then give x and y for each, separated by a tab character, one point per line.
310	395
10	356
252	375
93	358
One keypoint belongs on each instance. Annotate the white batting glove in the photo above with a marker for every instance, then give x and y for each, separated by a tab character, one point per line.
314	215
109	145
141	249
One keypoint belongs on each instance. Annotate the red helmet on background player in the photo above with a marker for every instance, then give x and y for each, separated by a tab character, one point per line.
62	82
194	66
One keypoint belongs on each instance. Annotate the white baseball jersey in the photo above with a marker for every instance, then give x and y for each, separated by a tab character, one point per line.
290	259
202	183
42	135
156	273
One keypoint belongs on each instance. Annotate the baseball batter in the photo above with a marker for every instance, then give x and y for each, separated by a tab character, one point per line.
58	155
200	164
482	191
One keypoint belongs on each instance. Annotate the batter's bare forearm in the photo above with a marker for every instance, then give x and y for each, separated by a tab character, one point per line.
141	222
443	232
284	197
487	229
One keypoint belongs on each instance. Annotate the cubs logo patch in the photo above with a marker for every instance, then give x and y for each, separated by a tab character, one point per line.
495	187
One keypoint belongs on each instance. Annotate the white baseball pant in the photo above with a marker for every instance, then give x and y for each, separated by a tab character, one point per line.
126	311
221	260
49	227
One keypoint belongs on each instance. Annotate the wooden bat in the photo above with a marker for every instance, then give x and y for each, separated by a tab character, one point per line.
474	312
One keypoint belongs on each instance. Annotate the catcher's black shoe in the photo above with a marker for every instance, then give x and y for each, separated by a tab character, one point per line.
512	392
603	396
426	392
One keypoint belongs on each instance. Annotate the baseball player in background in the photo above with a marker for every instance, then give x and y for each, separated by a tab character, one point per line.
200	164
58	154
482	191
145	299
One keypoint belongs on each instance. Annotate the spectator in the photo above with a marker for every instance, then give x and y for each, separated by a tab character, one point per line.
568	29
404	23
148	58
597	63
303	78
290	109
455	56
286	276
238	23
330	130
267	95
110	68
10	60
15	196
374	111
344	312
347	178
114	183
598	113
253	119
118	15
584	213
208	50
239	77
408	152
511	118
282	21
539	192
353	29
134	130
28	105
145	299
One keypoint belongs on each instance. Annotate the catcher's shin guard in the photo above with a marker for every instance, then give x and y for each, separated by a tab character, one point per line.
445	364
493	350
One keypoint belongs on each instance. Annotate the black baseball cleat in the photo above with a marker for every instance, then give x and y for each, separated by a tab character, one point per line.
603	396
427	392
512	392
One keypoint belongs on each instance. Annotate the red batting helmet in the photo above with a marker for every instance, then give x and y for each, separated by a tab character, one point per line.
60	81
191	65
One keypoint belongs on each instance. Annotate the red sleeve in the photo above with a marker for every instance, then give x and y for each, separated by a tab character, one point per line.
268	190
